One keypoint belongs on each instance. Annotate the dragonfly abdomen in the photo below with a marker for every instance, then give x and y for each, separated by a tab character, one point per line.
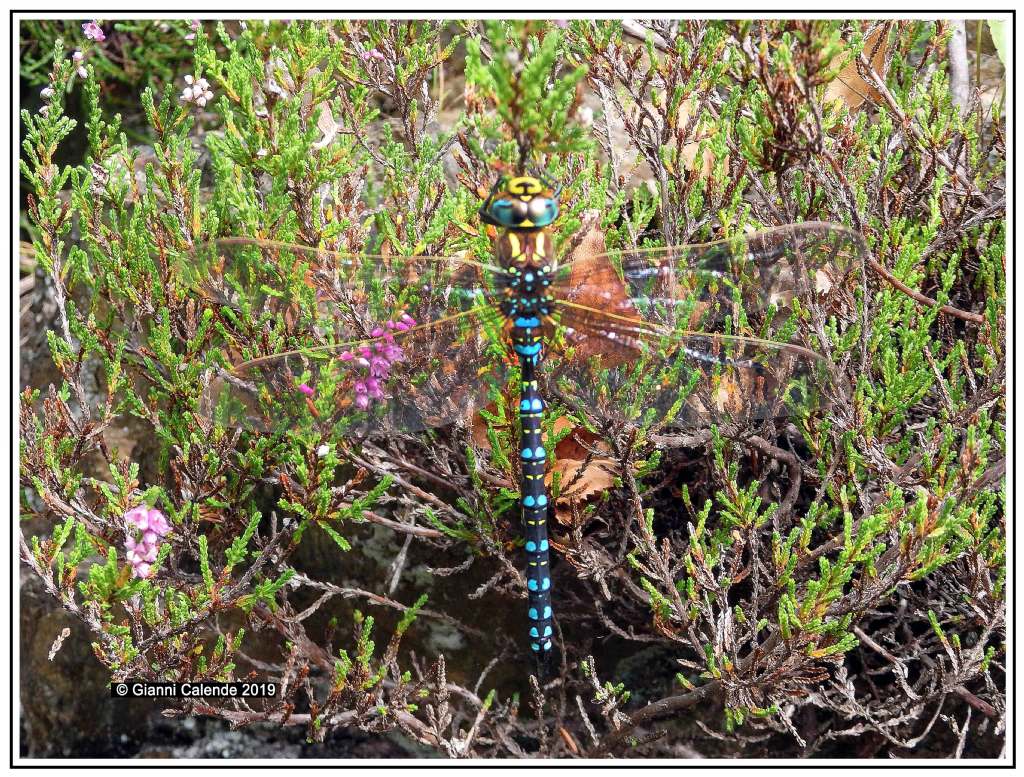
533	493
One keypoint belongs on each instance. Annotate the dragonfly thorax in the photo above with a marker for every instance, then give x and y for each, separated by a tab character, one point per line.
529	268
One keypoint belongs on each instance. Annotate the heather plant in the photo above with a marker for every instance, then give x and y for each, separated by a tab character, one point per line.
130	53
831	586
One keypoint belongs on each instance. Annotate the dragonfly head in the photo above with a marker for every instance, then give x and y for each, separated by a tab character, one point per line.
520	202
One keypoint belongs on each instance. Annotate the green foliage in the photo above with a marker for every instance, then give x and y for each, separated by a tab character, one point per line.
752	554
522	83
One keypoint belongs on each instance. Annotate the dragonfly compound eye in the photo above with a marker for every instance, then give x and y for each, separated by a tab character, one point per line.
539	209
509	213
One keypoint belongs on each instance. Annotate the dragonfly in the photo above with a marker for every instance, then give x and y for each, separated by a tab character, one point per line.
675	337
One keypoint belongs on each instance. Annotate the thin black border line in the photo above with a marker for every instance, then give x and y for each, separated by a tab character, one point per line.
50	763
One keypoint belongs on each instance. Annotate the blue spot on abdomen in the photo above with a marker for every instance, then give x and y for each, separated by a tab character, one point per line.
527	350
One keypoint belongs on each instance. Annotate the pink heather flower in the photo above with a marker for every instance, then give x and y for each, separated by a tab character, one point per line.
196	26
561	23
145	528
92	31
366	56
158	524
373	361
138	517
306	390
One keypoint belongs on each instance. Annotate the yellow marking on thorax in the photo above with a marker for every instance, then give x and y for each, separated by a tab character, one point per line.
540	249
513	241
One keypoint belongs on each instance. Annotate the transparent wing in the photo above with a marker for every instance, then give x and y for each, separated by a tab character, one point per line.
357	342
721	332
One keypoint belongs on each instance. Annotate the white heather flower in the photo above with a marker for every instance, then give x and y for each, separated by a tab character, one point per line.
78	58
323	450
585	115
47	93
197	91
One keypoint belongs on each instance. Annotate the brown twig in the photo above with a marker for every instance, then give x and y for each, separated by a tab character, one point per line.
792	466
964	315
